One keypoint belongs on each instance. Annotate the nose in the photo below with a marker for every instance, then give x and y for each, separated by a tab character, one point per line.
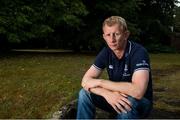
113	37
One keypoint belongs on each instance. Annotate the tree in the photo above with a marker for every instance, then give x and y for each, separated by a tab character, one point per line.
23	20
101	9
156	18
77	24
177	19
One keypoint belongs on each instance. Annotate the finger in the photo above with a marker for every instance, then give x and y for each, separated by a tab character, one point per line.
126	100
115	108
125	105
124	95
86	88
119	107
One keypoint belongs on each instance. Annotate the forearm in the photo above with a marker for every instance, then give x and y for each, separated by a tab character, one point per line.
89	82
127	88
86	80
99	91
97	85
123	87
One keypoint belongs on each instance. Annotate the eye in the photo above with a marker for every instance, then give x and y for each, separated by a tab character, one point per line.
107	35
117	34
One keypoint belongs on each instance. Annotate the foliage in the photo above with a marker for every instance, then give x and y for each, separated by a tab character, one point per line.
156	19
31	19
100	10
177	19
77	24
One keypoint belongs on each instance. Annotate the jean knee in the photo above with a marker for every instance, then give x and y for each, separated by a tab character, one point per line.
83	95
140	107
133	113
133	101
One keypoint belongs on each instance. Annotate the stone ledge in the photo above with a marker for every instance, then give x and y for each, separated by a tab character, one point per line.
69	112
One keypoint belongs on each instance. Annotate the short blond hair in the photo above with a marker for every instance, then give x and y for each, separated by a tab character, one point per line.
115	20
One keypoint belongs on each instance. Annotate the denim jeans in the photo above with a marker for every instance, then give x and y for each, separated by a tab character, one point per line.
87	103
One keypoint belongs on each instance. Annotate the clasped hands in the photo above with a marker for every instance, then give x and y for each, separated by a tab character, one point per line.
119	101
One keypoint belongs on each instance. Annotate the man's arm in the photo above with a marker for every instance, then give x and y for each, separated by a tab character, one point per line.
136	88
91	78
91	82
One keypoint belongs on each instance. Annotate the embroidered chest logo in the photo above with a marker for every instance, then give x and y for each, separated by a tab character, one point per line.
126	70
110	66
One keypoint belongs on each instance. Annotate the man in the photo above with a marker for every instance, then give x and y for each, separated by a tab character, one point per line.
128	92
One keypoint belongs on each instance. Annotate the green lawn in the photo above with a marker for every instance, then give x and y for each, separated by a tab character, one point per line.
36	85
166	82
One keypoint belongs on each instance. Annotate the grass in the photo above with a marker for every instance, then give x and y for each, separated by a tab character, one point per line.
36	85
166	74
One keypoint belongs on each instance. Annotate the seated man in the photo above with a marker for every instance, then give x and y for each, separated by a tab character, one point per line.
128	92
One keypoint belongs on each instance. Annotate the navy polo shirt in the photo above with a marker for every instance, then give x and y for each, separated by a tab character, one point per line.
135	58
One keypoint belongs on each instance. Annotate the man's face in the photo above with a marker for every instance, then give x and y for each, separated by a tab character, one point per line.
115	37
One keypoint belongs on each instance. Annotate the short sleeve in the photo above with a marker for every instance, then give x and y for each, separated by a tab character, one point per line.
101	59
140	60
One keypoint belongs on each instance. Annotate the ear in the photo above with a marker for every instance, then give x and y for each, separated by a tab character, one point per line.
104	37
127	33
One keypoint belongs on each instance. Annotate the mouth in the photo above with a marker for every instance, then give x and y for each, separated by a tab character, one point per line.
113	45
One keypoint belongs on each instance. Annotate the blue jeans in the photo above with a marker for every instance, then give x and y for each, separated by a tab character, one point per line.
87	103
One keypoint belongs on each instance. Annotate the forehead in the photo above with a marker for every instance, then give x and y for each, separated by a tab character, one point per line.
112	28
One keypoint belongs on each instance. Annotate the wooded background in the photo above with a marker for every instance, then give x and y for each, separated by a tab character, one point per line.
76	24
